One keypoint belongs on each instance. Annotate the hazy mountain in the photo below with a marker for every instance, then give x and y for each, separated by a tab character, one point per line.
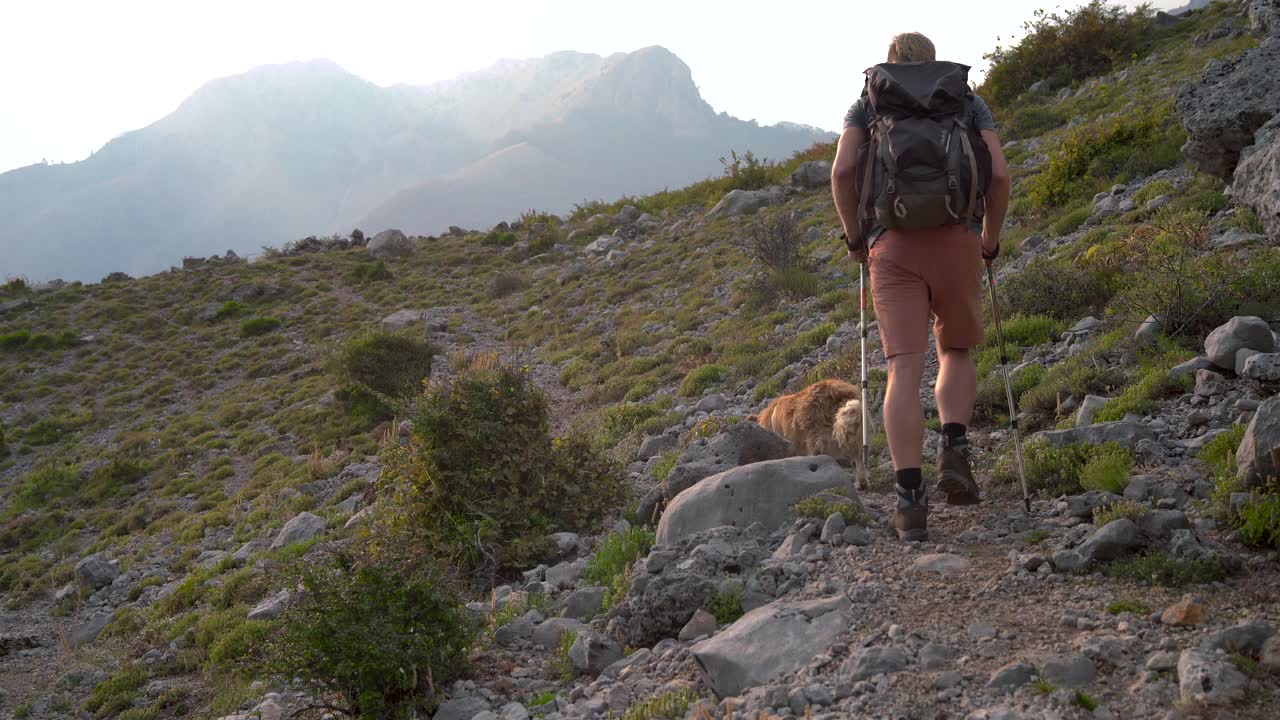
285	151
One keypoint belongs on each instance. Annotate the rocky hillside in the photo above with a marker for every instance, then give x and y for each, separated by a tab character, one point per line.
210	475
287	150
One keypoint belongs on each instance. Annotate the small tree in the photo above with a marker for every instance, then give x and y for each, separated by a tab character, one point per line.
380	370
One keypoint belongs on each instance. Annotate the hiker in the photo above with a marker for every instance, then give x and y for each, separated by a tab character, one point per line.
922	188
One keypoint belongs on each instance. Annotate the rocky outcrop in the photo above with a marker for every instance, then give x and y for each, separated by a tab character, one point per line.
1257	178
1258	457
1264	17
762	492
96	571
303	526
812	174
778	638
1233	99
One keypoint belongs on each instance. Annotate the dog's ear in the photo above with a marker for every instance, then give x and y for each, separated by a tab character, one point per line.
752	418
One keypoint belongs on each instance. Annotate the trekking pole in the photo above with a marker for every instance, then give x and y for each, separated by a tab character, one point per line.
862	328
1008	390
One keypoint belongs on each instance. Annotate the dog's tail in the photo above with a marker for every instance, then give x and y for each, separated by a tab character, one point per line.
847	428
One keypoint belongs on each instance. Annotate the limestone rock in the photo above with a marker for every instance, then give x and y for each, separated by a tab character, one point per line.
585	603
772	640
271	607
1210	383
745	202
876	660
702	623
1237	333
591	653
942	563
1262	367
1088	408
1258	456
389	244
1110	541
549	632
303	526
96	571
812	174
657	445
1126	434
1204	678
761	492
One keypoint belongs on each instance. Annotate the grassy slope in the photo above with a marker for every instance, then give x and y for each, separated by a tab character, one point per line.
224	426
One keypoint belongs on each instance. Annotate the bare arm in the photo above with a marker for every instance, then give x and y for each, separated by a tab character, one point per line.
997	198
844	186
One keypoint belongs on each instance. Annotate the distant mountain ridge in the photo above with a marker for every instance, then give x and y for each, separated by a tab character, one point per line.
285	151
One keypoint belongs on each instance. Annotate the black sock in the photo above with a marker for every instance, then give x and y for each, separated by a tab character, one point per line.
953	430
910	479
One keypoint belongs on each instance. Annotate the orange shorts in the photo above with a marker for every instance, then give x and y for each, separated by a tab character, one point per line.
912	274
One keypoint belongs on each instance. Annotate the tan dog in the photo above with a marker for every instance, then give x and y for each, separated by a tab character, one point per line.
823	419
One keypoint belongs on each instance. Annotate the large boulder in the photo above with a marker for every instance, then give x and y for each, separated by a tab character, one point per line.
96	571
1239	333
773	640
1206	679
1257	178
745	202
740	444
591	653
389	244
303	526
1263	367
812	174
1258	457
1233	99
761	492
1126	434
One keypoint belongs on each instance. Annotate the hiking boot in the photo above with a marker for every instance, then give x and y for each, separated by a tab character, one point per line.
955	477
911	516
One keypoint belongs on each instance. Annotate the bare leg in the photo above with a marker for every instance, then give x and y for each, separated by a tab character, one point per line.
903	413
957	386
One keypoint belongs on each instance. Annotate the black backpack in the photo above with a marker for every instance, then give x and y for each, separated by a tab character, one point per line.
925	164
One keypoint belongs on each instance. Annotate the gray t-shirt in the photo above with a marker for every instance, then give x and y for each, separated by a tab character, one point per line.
859	116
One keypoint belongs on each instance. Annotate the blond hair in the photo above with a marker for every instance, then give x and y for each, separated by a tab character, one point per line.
911	47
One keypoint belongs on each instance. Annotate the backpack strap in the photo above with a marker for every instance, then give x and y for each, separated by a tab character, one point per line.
973	167
869	160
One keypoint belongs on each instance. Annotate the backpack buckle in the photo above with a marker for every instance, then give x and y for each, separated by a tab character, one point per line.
891	188
952	183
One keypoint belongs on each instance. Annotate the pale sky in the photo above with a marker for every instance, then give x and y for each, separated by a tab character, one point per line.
78	73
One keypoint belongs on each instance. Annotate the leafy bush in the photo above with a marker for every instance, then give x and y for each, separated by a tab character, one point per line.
1062	48
725	604
1107	469
1170	274
379	370
1129	605
673	704
116	692
240	648
48	482
775	243
230	309
254	327
619	421
1026	330
1143	396
1056	289
25	340
380	636
1259	522
746	171
369	271
500	238
1093	156
700	378
1029	120
665	465
1071	221
483	482
506	283
992	400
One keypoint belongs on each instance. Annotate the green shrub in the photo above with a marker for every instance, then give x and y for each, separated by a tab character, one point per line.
1031	120
483	482
1093	156
15	340
666	705
746	171
240	648
824	505
610	565
1071	221
370	271
1159	568
254	327
1058	470
617	422
1126	509
665	465
24	340
108	479
1026	330
1129	605
380	370
1054	288
1258	523
116	692
1107	469
699	379
381	637
725	604
1143	396
1063	48
230	309
1153	190
48	482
